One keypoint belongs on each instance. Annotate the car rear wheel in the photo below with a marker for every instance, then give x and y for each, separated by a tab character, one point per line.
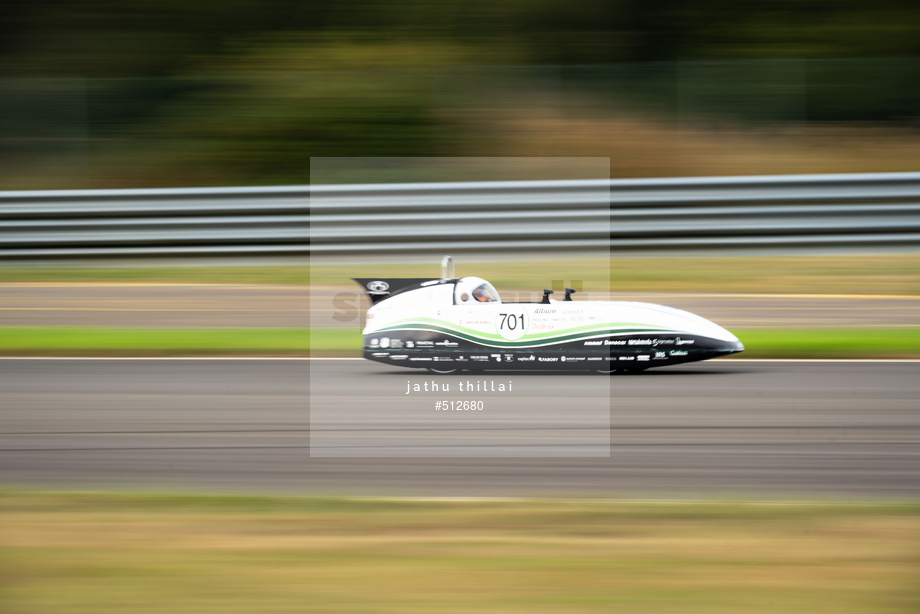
443	371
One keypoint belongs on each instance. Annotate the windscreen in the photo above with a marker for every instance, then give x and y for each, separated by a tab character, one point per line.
485	293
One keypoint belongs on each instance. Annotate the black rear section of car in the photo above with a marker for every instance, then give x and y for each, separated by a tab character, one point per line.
437	350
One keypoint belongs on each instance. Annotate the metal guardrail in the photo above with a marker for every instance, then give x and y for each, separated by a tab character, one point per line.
642	215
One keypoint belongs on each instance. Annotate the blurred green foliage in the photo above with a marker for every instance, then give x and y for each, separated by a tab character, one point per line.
108	38
109	94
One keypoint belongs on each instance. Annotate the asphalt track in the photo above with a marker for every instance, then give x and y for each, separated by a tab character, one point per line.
766	429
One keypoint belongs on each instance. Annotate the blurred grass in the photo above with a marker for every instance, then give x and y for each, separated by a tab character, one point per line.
295	275
863	274
641	145
194	553
94	341
830	343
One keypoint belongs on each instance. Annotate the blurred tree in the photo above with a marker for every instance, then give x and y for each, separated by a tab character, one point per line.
246	91
112	38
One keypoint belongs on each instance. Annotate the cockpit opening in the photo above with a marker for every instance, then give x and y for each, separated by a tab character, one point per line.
485	294
476	290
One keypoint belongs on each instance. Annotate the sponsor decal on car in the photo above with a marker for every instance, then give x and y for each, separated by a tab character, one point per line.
378	287
656	342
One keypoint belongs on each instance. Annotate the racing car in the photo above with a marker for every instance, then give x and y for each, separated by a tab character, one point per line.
452	324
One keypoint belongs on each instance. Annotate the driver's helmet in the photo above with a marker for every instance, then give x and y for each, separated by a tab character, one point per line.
484	294
474	289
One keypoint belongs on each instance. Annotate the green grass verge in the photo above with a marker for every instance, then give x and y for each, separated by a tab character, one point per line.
868	274
137	553
63	341
295	275
830	343
92	341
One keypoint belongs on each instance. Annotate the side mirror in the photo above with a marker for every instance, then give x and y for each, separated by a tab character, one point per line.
568	293
546	294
